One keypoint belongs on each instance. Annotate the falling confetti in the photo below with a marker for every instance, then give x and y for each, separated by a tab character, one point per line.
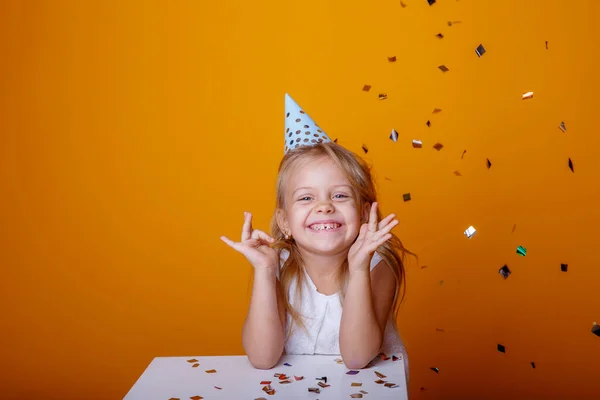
439	330
406	196
443	68
438	146
463	154
527	95
571	166
504	271
501	349
392	59
431	2
470	232
439	36
382	96
417	144
428	123
480	50
366	88
489	163
564	267
403	4
514	227
457	173
394	136
436	110
546	45
450	23
522	251
365	149
435	369
596	329
532	365
562	127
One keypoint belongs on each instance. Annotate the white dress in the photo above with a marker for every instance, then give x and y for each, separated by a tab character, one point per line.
322	317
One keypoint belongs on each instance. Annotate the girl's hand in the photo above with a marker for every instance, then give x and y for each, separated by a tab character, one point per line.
255	246
371	236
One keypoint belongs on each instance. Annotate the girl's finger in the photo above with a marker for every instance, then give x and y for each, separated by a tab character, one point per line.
230	243
247	228
388	227
258	234
373	217
386	220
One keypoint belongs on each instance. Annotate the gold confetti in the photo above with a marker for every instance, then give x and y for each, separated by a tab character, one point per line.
366	88
193	360
196	398
380	375
356	395
436	110
403	4
392	59
457	173
195	365
356	384
211	371
382	96
527	95
438	146
379	381
443	68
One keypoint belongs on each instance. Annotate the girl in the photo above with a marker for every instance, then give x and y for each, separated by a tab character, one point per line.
330	277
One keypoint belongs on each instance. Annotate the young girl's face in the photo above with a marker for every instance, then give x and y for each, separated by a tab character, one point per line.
321	210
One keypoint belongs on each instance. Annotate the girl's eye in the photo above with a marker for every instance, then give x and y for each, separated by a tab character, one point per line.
343	195
308	197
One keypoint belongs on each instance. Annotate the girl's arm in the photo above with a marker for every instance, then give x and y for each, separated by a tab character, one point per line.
263	332
367	303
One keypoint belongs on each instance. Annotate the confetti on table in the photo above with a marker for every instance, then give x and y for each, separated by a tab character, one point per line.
489	163
379	381
382	96
383	356
269	390
366	88
394	358
438	146
174	398
298	378
532	365
417	144
527	95
439	36
504	271
564	267
211	371
394	135
339	361
436	110
522	251
323	385
571	166
406	196
260	398
390	385
596	329
392	59
216	387
430	2
501	348
380	375
480	50
314	390
352	372
285	381
265	382
435	369
470	232
196	398
287	364
192	361
428	123
356	384
562	127
324	379
356	395
365	149
364	392
195	365
443	68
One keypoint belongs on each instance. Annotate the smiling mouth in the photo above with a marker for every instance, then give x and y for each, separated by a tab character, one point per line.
325	227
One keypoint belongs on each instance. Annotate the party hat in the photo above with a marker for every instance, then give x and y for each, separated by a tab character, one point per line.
300	129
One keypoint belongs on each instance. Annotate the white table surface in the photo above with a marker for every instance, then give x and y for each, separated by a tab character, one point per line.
175	377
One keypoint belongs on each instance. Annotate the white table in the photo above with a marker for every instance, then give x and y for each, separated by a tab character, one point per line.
177	378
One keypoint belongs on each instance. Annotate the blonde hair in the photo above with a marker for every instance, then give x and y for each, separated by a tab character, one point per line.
359	175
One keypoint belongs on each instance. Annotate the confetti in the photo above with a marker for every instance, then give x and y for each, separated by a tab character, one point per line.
489	163
364	392
365	149
564	267
443	68
216	387
527	95
430	2
470	232
463	154
382	96
298	378
441	282
417	144
314	390
379	381
339	360
501	349
406	196
356	384
450	23
260	398
394	135
457	173
394	358
428	123
532	365
390	385
356	395
514	227
438	146
195	365
562	127
287	364
546	45
174	398
522	251
480	50
596	329
285	381
403	4
436	110
323	385
504	271
439	330
380	375
265	382
366	88
392	59
192	361
435	369
352	372
439	36
211	371
324	379
383	356
196	398
571	165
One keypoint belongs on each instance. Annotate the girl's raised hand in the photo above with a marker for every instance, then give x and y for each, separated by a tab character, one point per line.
255	246
371	236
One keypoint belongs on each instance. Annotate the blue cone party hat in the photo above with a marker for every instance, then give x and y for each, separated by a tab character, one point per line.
300	129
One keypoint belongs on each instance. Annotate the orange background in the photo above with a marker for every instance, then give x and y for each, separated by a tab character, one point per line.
134	134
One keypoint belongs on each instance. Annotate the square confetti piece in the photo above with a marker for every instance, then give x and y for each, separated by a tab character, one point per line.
562	127
366	88
596	329
356	395
438	146
417	144
457	173
439	36
436	110
364	392
470	232
564	267
406	196
443	68
430	2
382	96
380	375
522	251
394	136
392	59
501	349
504	271
480	50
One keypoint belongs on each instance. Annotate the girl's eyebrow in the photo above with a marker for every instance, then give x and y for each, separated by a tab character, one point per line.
308	187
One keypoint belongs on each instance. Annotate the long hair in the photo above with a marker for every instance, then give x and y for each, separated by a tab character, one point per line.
358	174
